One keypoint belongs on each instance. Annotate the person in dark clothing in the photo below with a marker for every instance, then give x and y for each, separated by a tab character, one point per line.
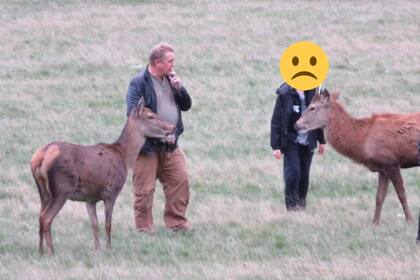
163	94
297	148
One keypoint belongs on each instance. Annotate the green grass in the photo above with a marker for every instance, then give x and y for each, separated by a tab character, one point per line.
65	69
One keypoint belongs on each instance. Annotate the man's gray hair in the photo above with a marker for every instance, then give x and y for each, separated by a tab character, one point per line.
159	51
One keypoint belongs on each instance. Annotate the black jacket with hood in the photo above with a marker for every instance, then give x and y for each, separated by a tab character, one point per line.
287	111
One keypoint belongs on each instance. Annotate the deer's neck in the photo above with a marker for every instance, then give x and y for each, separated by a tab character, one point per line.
130	143
346	134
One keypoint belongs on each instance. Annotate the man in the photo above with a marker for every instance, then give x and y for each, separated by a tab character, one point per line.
163	94
297	147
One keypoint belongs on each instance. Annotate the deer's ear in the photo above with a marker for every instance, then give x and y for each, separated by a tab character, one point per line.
140	107
325	95
136	111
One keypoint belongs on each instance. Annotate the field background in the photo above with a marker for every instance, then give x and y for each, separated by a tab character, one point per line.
64	71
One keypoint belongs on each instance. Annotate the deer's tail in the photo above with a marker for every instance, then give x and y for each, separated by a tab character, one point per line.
40	175
39	170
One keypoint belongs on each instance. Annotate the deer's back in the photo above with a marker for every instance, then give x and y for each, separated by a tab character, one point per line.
394	139
83	172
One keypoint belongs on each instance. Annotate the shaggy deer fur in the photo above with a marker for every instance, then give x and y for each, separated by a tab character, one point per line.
90	173
384	143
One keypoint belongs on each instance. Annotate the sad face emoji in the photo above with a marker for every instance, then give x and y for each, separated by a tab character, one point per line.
304	65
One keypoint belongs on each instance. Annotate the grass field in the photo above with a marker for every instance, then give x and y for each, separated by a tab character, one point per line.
64	71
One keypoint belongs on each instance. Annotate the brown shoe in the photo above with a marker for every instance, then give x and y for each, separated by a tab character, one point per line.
182	228
148	230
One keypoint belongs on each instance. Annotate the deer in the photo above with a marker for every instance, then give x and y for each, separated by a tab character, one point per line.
384	143
90	174
418	232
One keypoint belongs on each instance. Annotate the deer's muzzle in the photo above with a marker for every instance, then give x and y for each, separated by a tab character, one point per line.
298	127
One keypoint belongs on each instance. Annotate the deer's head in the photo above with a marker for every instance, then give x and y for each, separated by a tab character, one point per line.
317	113
148	123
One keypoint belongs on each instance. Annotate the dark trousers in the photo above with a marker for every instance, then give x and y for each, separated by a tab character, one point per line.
296	165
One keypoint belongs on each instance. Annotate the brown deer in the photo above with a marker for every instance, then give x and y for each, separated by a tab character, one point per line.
384	143
91	173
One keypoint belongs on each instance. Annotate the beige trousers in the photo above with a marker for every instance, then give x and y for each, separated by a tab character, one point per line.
170	168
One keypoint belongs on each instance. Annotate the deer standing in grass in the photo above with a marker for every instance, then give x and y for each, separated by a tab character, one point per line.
384	143
91	173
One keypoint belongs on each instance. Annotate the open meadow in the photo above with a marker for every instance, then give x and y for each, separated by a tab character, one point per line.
65	67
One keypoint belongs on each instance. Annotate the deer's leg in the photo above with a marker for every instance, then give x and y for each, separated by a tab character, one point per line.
41	228
41	238
91	208
40	183
109	206
44	206
383	183
395	175
49	214
418	233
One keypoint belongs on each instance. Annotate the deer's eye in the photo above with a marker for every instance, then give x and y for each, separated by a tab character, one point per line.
150	117
312	109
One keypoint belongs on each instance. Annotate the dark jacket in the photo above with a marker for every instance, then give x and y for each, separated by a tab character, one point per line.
142	85
284	118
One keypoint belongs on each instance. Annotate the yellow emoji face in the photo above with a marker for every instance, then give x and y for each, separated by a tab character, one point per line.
304	65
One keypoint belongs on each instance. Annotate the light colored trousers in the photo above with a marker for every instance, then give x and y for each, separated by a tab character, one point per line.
170	168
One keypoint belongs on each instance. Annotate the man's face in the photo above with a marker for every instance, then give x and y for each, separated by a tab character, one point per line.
166	64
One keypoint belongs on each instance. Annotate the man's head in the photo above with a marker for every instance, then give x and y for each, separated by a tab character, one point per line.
162	59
